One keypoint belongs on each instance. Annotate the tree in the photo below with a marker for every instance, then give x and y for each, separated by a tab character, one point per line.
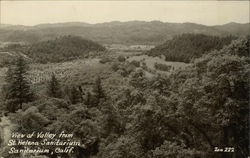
88	99
17	89
98	91
214	107
121	58
112	122
75	95
31	120
54	88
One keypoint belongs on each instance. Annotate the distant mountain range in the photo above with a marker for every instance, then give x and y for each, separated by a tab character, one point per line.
132	32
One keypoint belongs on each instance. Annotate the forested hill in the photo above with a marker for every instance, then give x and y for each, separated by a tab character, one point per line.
63	48
60	49
185	47
131	32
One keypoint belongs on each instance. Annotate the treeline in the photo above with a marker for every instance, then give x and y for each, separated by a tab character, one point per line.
184	115
185	47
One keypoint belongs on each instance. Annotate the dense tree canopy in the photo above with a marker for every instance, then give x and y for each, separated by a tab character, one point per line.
62	49
188	46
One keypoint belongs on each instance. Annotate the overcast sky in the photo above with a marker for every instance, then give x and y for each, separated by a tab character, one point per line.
202	12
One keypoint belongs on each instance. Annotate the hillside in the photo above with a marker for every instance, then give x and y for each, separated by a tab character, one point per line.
234	28
185	47
132	32
61	49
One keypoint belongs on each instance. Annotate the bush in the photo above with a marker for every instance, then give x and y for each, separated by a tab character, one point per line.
115	66
105	60
135	63
121	58
162	67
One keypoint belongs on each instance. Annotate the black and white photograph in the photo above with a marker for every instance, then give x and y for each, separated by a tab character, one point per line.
124	79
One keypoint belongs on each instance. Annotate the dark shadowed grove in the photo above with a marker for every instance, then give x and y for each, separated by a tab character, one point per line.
177	91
